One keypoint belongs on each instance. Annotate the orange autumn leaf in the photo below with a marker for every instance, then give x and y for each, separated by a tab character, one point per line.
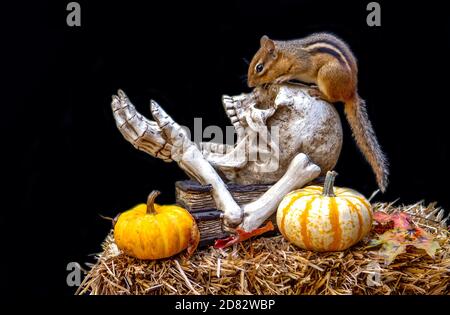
242	235
399	220
400	234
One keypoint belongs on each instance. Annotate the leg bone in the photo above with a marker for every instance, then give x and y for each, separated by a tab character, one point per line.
301	171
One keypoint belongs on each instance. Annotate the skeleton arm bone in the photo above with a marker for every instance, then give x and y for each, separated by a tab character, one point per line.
191	160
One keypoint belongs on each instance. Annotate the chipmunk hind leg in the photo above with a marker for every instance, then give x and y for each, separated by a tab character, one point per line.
335	84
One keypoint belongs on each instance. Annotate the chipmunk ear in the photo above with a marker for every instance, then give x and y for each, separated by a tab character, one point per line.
263	40
267	43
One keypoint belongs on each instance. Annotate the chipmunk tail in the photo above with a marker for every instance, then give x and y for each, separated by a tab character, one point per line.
356	113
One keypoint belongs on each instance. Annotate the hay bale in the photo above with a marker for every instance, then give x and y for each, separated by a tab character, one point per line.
274	266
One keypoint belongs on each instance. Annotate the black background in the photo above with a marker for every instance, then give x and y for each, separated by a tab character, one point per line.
65	163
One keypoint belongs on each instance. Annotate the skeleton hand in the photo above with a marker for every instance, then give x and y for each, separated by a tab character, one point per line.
142	133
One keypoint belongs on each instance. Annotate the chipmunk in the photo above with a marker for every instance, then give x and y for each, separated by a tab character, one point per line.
326	61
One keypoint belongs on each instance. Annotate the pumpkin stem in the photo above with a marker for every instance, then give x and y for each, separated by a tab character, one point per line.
151	201
329	184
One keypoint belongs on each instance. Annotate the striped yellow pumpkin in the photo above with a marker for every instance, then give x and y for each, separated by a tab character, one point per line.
324	218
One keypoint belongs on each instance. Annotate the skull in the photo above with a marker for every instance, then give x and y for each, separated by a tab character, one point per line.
271	130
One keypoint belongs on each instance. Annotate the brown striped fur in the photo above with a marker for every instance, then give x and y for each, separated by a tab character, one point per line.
327	61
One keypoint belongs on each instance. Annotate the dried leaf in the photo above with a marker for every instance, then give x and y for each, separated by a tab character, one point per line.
242	235
390	250
399	220
194	239
382	217
424	241
395	240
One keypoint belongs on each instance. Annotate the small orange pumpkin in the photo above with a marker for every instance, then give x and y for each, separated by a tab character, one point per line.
152	231
324	218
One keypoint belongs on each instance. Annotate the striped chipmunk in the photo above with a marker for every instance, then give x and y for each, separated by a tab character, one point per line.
328	63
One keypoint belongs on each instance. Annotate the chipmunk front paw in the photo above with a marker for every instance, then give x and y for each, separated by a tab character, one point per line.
314	92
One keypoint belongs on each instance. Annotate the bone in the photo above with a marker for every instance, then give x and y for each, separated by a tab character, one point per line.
215	148
300	171
234	159
257	118
191	160
142	133
230	105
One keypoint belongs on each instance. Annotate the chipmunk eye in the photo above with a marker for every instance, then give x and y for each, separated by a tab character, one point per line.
259	67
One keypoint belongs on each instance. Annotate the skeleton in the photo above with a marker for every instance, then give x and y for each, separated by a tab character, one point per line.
288	141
